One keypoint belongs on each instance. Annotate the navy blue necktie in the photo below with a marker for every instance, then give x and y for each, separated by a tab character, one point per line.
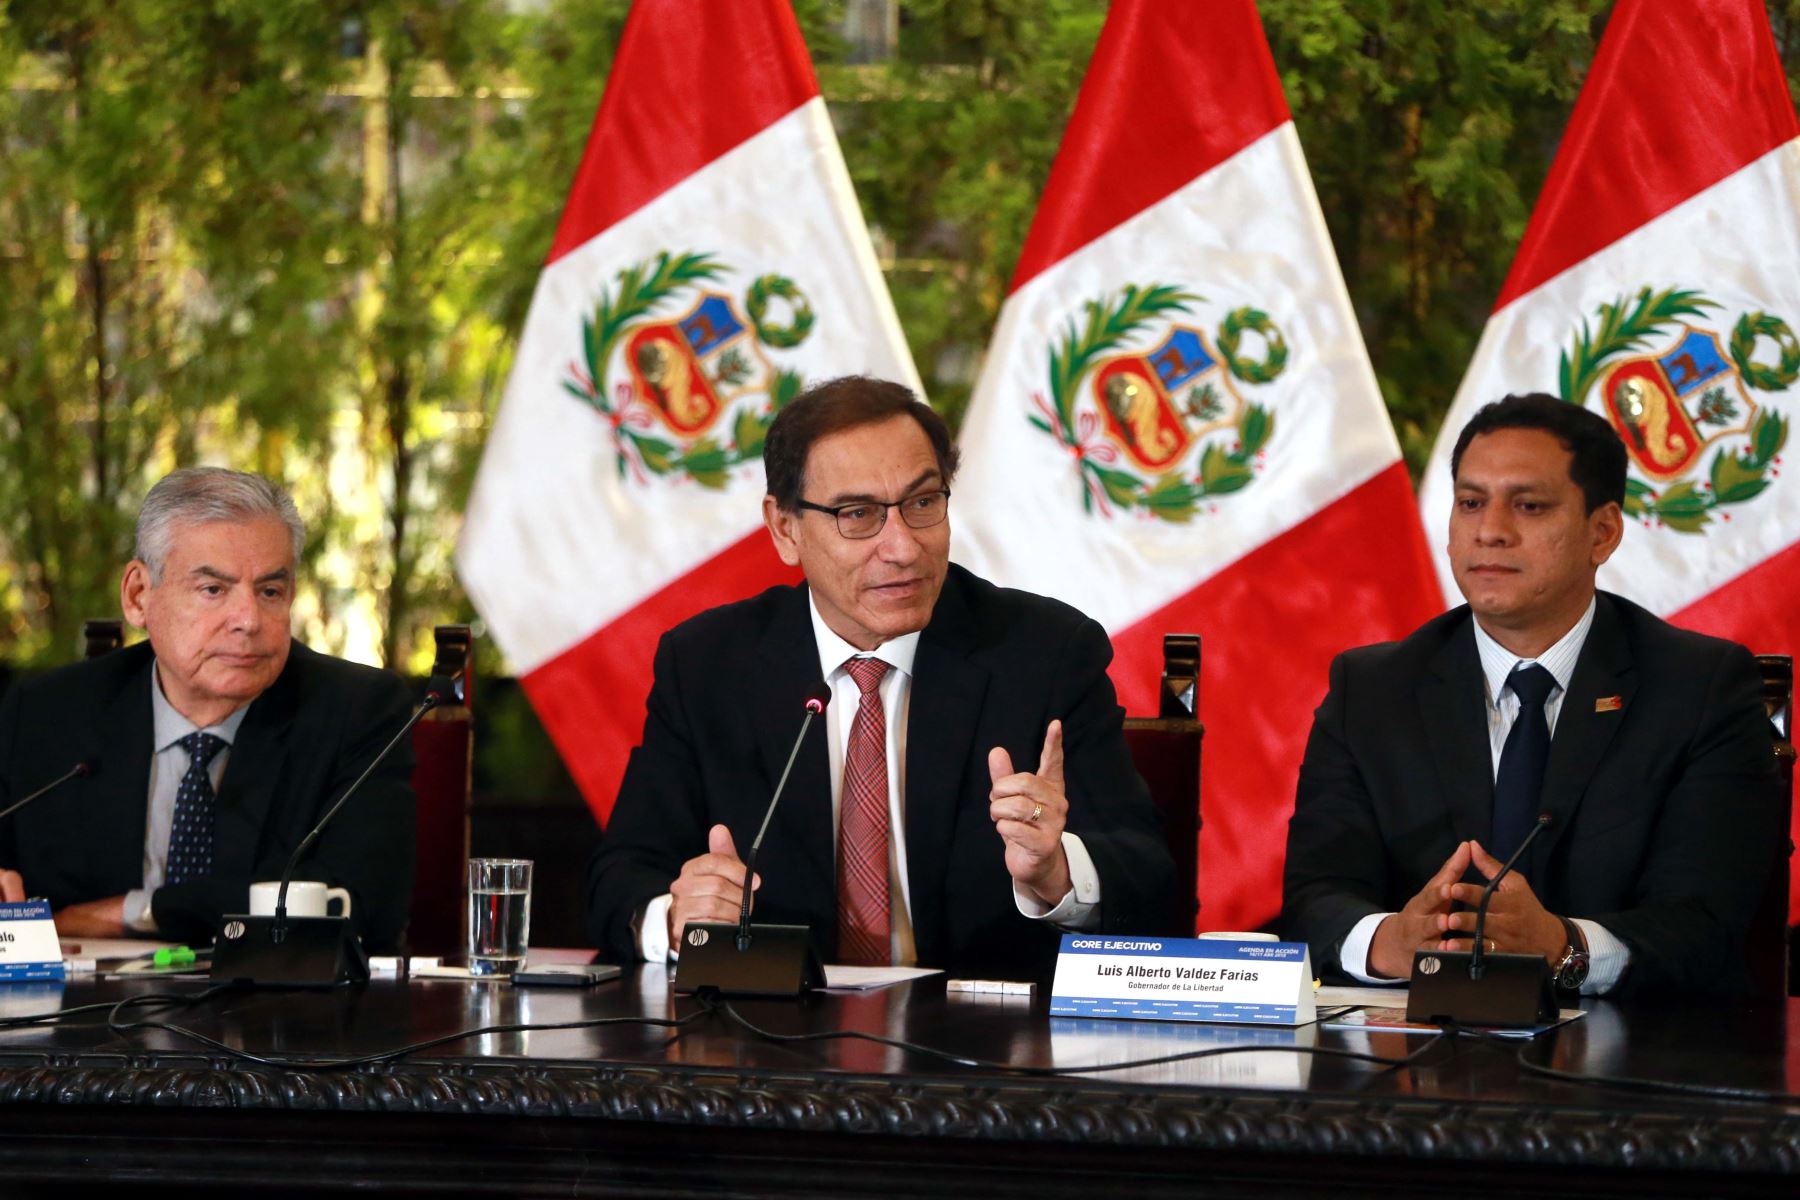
1519	784
191	833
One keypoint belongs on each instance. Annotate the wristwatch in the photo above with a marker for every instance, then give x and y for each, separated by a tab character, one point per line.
1572	971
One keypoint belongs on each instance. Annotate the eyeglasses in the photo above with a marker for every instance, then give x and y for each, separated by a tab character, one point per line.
865	518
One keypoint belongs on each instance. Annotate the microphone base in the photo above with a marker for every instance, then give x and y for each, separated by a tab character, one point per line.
316	952
1514	990
780	962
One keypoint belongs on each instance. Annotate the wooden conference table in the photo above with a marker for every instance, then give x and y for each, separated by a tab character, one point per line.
710	1109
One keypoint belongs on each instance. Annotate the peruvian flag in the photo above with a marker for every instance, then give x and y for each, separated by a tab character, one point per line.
1177	428
1658	284
711	261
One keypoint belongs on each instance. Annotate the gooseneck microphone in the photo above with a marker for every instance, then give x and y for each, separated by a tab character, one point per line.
282	951
1474	988
1477	956
439	690
79	771
816	700
742	959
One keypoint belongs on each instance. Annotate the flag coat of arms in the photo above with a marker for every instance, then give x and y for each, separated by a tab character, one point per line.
1658	284
711	261
1177	428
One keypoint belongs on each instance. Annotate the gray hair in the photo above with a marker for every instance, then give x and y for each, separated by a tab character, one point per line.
196	494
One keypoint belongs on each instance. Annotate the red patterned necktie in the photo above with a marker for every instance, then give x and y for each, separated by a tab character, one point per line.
862	859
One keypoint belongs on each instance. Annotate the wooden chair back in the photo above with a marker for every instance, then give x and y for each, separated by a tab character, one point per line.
1166	750
443	779
1769	942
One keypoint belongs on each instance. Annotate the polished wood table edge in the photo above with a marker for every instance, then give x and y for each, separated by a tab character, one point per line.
1723	1137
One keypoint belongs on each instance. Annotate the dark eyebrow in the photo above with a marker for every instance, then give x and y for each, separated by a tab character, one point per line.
283	574
867	498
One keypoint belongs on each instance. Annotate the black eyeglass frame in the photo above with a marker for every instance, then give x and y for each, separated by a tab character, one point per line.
835	512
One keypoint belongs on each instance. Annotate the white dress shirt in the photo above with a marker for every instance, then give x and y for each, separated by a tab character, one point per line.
168	764
1078	909
1607	955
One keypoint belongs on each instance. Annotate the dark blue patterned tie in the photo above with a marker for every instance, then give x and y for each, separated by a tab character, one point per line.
191	834
1519	784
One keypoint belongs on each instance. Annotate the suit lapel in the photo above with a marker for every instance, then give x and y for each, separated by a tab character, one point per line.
254	771
121	749
1453	710
789	657
947	691
1605	669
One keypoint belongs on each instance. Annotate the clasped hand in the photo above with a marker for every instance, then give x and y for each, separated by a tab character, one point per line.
1517	922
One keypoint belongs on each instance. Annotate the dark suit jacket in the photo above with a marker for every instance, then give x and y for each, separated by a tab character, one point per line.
994	667
301	744
1667	812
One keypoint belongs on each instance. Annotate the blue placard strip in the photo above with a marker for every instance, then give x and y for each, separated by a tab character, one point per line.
16	972
1076	943
1194	1010
26	910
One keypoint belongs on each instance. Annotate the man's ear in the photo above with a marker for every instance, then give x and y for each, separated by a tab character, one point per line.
132	587
1607	525
781	530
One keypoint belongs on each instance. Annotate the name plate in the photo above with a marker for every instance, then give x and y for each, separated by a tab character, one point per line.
1183	979
29	950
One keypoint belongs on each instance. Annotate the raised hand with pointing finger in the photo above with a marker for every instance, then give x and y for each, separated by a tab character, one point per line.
1029	810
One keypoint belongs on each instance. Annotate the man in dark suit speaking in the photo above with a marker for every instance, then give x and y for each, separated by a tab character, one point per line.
1431	758
967	791
215	745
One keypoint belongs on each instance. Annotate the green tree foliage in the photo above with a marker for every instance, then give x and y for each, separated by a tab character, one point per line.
168	227
1429	128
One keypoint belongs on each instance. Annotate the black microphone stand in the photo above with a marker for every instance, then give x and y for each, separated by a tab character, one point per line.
1477	964
80	770
760	960
284	951
435	695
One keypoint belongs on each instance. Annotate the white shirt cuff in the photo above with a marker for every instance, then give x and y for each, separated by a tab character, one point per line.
138	917
1080	906
1354	955
1607	958
653	935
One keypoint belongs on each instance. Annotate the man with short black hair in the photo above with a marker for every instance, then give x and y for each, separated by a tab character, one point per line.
1432	758
217	743
967	792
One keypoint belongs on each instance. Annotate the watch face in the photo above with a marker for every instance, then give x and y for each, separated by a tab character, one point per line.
1572	973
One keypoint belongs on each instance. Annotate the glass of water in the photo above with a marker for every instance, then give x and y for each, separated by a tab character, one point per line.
499	914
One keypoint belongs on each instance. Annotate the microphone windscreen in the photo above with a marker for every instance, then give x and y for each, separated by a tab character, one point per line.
818	698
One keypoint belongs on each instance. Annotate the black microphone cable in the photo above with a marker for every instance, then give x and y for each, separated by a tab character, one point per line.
724	1008
1626	1082
381	1056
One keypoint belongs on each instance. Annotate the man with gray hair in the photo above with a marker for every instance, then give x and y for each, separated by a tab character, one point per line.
213	746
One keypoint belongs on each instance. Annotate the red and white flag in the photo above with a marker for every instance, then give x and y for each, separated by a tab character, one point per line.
711	260
1658	284
1177	428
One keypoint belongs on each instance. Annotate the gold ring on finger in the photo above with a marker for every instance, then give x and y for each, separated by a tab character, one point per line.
1037	810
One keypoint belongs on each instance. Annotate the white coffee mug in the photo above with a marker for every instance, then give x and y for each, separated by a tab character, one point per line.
305	898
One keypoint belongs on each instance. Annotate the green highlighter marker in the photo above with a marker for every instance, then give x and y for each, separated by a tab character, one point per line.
173	956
